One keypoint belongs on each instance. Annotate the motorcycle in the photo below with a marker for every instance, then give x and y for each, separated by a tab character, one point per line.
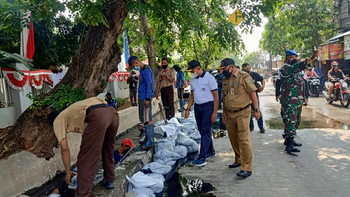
340	93
314	86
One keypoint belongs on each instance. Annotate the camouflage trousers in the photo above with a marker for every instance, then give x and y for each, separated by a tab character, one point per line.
291	115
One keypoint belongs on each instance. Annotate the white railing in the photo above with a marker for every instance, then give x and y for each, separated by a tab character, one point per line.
5	96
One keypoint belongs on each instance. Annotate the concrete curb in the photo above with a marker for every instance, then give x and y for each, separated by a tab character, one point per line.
128	167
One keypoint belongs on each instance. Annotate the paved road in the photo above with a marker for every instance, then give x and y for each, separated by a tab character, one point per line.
321	169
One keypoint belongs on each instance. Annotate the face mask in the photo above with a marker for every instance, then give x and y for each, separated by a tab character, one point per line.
226	73
194	75
293	62
164	66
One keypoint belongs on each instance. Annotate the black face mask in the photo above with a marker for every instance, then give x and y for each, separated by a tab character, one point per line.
226	73
293	62
164	66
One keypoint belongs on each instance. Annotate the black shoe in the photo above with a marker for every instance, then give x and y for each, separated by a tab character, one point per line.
251	129
262	130
290	147
234	165
244	174
294	143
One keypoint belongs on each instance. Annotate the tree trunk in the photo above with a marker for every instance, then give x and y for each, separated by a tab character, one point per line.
150	41
97	57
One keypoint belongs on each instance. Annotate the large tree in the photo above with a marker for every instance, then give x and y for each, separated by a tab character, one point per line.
97	57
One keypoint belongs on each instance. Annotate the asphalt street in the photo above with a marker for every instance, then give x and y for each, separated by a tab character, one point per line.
320	169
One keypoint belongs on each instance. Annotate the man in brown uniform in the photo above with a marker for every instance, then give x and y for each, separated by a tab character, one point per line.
238	92
166	78
98	124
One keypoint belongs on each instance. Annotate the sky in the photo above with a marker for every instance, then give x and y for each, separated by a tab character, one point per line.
251	41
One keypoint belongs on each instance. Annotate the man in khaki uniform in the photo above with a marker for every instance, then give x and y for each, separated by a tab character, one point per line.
165	86
238	92
98	124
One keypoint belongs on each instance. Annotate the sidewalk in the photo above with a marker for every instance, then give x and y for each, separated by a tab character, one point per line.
321	169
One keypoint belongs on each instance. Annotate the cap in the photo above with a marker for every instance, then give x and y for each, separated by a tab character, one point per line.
192	65
226	62
334	63
132	59
109	94
176	67
128	142
291	52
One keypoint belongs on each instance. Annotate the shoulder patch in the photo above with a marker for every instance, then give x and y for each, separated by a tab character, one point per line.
248	80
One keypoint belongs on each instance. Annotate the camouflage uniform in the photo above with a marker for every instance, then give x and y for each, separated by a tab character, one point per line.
292	96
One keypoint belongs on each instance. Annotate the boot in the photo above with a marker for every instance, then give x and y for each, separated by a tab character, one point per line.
149	139
294	142
290	147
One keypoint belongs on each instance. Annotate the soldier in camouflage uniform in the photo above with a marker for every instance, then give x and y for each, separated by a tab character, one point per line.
292	96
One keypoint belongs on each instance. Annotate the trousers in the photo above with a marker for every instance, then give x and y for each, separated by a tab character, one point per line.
203	114
237	125
145	113
97	139
291	115
167	95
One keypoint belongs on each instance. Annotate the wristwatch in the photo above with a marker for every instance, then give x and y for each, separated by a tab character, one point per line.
257	110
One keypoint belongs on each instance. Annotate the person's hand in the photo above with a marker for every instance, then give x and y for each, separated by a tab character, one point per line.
157	97
257	115
147	103
278	98
213	117
260	89
224	117
187	113
68	178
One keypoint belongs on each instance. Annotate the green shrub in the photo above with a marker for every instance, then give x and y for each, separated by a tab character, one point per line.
120	101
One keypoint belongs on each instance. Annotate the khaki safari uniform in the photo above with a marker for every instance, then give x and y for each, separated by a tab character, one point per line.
166	89
236	99
98	124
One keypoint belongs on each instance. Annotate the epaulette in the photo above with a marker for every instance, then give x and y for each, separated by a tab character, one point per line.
243	73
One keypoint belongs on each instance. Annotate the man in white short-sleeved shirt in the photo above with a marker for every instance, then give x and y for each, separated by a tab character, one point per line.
204	96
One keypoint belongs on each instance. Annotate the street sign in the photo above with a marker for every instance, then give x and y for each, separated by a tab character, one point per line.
236	17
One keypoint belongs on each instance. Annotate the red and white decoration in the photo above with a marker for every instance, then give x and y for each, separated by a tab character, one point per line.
120	76
35	79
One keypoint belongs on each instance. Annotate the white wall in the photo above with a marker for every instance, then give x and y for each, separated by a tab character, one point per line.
7	116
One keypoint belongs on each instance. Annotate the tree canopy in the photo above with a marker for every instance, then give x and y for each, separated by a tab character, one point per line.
299	24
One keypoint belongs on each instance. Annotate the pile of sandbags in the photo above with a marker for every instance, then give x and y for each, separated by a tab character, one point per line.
175	140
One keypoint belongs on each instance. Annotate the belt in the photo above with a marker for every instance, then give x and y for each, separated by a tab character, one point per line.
238	110
89	109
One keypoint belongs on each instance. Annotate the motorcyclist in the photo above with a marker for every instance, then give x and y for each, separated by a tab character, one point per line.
334	74
310	73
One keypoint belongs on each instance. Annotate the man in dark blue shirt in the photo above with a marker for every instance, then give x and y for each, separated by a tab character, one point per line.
257	78
145	95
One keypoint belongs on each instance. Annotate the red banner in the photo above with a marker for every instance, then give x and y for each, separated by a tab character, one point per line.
336	51
323	52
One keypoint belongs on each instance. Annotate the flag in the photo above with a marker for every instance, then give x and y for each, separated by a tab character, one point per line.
27	38
126	47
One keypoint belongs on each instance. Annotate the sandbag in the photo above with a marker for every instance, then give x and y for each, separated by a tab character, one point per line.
144	192
181	150
166	143
175	122
157	188
140	180
163	156
158	168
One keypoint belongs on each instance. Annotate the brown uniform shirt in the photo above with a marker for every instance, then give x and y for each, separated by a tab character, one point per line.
237	89
72	119
162	81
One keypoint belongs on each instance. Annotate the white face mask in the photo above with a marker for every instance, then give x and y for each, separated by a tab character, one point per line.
194	75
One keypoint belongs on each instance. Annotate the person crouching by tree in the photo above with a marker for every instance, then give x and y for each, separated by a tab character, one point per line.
98	124
132	81
111	101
